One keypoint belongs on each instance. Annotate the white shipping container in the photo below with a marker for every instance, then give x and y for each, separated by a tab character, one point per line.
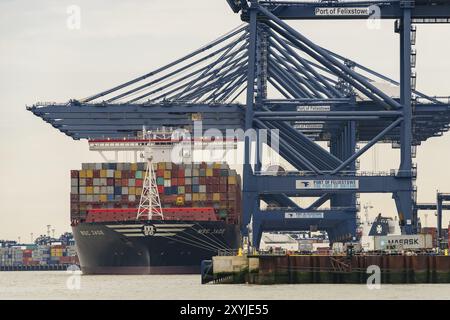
403	242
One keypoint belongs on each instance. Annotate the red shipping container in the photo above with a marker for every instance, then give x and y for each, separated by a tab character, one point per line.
174	181
125	174
139	182
124	198
96	173
180	181
203	165
118	182
223	188
160	173
74	173
161	189
110	181
209	180
215	180
89	182
223	196
174	173
209	188
216	172
124	182
209	196
188	188
202	180
215	188
180	173
223	180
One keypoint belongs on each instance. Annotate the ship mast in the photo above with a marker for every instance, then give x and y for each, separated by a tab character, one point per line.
150	202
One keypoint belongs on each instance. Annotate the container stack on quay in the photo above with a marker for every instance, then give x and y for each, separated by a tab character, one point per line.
433	232
11	256
119	185
38	255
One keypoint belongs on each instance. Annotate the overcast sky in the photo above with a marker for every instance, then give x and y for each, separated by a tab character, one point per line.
43	60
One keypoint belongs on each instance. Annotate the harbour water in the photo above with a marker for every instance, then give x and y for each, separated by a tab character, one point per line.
63	285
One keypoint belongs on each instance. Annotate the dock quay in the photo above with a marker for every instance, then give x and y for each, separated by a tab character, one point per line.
296	269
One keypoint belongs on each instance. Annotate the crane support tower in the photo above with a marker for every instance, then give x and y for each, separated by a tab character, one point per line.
266	75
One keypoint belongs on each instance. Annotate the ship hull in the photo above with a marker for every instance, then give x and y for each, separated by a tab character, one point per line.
151	247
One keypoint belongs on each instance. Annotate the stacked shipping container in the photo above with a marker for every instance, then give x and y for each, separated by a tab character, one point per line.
38	255
119	185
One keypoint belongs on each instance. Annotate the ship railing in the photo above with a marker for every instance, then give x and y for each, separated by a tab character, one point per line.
227	252
274	252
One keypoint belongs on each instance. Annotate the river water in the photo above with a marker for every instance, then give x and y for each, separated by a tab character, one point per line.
62	285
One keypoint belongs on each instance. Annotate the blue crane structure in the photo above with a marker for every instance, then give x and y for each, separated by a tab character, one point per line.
308	94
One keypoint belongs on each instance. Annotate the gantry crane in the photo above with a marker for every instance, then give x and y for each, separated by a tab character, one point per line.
266	75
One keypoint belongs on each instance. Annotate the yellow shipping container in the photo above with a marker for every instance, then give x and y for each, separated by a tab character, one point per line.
131	190
202	197
209	172
117	174
103	198
216	196
89	190
167	174
103	173
138	191
82	173
195	197
231	180
216	165
89	173
161	166
134	166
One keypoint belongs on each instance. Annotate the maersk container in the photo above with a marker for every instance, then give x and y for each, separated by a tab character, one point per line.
404	242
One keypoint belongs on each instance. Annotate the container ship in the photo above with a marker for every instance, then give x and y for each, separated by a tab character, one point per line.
200	203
